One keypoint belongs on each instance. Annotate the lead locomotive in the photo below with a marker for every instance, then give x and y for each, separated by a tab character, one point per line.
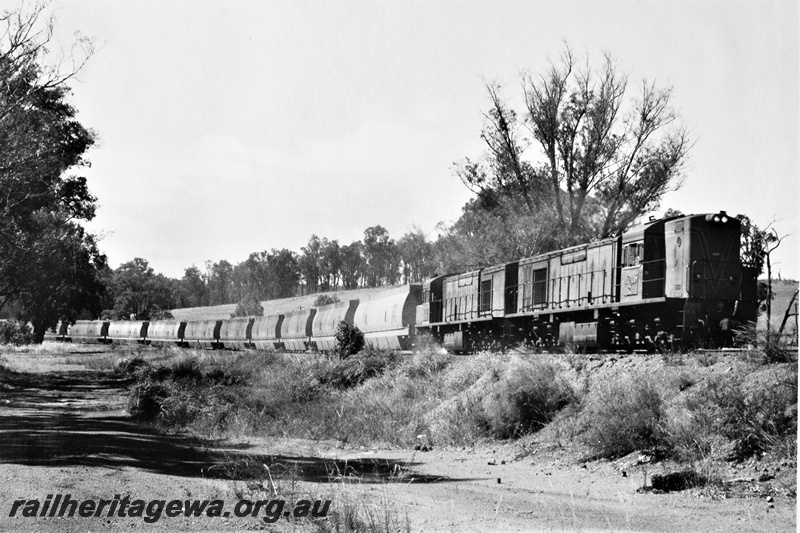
669	282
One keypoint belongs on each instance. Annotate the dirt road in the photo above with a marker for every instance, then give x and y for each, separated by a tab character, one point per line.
64	430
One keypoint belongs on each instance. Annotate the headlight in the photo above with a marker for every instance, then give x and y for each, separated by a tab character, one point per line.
716	218
724	220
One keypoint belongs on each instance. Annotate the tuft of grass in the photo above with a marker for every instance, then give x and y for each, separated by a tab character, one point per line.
622	415
351	515
525	399
673	358
706	358
684	380
577	361
772	347
726	417
354	370
187	369
426	364
133	366
674	481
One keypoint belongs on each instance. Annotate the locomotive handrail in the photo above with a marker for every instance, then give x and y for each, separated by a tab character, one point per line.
561	289
567	291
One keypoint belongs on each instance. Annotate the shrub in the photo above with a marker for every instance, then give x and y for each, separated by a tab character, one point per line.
15	332
161	314
187	370
248	306
135	366
324	299
526	398
622	415
773	348
146	400
682	480
722	414
425	364
349	340
355	370
463	424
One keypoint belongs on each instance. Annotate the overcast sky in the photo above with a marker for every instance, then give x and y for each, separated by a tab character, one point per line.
234	127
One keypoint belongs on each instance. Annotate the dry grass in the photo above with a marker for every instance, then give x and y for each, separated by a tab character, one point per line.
372	398
622	415
613	409
704	409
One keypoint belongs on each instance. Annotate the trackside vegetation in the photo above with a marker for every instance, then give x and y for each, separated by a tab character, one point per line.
690	409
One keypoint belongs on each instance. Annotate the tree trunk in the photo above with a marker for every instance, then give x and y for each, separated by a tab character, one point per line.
38	331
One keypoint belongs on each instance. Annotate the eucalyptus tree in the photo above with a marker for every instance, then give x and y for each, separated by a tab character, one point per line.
583	159
46	258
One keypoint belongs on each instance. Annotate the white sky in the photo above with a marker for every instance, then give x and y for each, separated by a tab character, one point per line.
233	127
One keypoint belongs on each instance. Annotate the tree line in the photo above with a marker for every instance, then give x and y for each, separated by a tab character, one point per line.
135	289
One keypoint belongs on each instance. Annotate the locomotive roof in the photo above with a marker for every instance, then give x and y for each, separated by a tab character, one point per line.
635	233
563	251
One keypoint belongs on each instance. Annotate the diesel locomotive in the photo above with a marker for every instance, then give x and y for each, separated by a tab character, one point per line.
671	282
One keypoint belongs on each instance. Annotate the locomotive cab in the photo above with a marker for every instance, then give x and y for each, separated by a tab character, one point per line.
430	310
642	262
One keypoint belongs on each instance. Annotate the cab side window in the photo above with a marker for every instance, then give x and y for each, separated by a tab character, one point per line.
632	254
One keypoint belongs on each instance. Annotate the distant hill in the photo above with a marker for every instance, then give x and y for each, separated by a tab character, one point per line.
783	291
272	307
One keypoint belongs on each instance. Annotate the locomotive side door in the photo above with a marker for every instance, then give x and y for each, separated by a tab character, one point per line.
631	272
675	285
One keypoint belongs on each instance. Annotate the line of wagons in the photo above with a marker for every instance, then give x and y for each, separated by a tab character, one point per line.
386	319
